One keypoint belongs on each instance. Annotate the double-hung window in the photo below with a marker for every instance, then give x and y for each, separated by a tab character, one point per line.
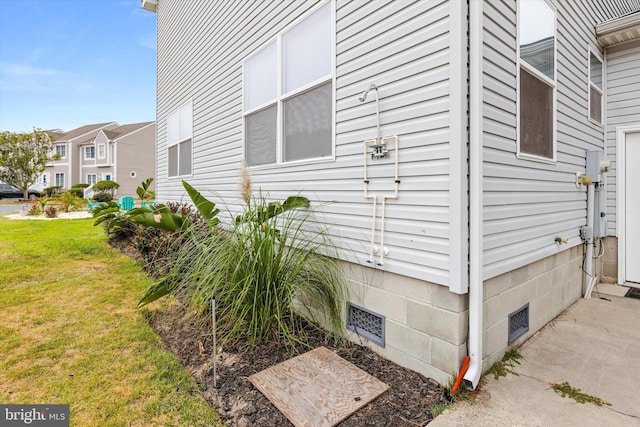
288	94
60	179
101	151
92	178
537	80
61	151
89	152
595	87
180	141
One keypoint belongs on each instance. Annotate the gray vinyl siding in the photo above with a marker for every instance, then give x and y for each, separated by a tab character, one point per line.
528	203
401	46
622	108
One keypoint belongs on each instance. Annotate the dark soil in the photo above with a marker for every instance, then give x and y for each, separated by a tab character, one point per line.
407	402
239	403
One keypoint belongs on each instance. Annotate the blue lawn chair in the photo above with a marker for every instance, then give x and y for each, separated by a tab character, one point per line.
92	205
126	203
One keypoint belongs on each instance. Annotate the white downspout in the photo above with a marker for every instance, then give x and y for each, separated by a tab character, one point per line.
472	377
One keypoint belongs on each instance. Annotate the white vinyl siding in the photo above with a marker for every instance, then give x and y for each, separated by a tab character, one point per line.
527	204
622	109
405	48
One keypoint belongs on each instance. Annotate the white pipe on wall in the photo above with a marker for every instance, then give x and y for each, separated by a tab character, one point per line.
367	196
472	377
589	279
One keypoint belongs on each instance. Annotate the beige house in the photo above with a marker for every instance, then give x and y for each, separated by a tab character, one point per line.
102	151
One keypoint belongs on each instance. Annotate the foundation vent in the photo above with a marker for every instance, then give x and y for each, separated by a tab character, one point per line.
365	323
518	323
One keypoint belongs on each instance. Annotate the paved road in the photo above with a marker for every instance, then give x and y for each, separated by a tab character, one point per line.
8	206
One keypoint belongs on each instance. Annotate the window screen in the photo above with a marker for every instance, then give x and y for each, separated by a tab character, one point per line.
307	124
185	158
260	134
536	116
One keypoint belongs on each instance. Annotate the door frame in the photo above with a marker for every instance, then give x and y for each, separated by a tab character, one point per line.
621	141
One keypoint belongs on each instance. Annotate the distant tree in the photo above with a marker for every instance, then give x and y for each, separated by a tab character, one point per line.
23	157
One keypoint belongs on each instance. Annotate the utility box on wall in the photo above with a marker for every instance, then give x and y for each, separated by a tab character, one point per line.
596	168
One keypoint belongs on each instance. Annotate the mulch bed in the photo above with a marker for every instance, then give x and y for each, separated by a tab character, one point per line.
408	401
239	403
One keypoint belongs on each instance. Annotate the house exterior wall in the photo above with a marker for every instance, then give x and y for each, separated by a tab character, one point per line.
527	204
622	109
135	160
416	53
406	48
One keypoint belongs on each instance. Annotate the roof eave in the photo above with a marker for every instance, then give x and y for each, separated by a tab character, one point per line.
619	30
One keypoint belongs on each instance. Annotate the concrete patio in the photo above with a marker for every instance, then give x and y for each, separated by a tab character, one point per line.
594	346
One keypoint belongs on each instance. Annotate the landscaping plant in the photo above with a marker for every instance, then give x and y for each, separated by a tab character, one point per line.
51	212
263	270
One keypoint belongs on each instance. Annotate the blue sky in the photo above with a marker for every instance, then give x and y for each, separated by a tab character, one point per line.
68	63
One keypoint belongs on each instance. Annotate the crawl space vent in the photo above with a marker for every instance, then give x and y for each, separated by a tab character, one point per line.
518	323
366	323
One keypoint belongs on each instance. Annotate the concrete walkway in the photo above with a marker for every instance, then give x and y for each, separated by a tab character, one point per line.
594	346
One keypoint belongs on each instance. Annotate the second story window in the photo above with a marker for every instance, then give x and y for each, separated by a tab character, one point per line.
595	88
537	80
288	94
101	151
61	151
89	152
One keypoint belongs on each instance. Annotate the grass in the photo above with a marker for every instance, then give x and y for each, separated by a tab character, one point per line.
70	331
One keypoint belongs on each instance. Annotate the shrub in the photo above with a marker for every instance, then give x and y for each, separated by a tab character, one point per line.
51	212
80	185
69	200
102	197
77	192
34	209
106	187
270	265
49	191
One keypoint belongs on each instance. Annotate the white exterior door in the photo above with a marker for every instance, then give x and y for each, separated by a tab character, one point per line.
632	208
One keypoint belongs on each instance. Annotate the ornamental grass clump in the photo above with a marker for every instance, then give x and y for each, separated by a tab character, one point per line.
273	264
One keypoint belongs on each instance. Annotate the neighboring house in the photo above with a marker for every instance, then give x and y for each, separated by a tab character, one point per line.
105	151
494	104
65	171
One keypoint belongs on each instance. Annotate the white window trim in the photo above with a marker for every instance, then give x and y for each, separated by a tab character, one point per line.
65	150
104	151
55	179
590	86
84	149
179	141
553	83
95	175
281	97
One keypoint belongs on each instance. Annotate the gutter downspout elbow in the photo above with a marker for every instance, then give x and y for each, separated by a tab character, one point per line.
476	291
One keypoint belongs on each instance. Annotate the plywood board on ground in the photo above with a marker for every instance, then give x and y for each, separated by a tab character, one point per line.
317	388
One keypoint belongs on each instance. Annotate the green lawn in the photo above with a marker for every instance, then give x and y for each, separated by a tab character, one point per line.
70	331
